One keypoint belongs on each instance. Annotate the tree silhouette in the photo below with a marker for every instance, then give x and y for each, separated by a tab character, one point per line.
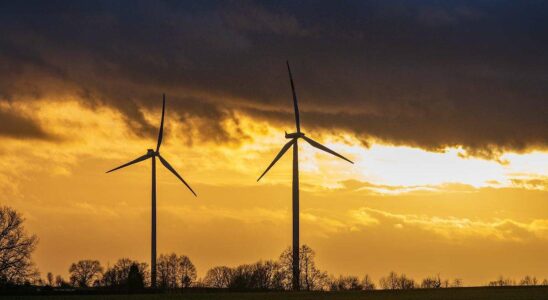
242	278
501	281
16	247
186	271
367	283
167	271
432	282
529	281
268	275
135	278
117	276
60	282
345	283
405	283
174	272
389	282
218	277
263	275
84	272
396	282
50	278
311	277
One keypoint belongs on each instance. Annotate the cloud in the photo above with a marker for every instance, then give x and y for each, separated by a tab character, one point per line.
454	228
386	189
16	126
256	19
540	183
434	75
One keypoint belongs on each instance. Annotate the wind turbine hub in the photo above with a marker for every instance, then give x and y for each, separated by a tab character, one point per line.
294	135
151	152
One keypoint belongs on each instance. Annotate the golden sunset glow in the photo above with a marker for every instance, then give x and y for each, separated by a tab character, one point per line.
421	130
394	198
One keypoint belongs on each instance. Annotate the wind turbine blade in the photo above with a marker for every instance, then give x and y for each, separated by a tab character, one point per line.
324	148
169	167
282	152
146	156
295	105
161	133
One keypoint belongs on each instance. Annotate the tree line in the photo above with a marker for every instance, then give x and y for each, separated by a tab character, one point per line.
178	272
525	281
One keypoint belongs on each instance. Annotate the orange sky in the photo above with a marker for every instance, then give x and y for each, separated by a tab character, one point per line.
397	208
440	104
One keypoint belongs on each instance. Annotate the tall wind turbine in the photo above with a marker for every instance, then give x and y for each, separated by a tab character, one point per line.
294	137
153	154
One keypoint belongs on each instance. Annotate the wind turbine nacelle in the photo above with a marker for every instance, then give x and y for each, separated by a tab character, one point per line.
151	152
293	135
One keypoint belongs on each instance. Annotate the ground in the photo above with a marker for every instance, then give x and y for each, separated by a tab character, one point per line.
507	293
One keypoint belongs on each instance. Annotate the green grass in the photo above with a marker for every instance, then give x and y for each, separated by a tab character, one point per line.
507	293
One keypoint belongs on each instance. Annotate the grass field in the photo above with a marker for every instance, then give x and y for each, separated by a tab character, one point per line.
506	293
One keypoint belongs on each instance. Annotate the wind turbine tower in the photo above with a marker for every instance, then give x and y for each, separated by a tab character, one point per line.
152	154
293	138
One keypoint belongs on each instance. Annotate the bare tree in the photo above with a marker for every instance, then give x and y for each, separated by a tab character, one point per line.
59	281
457	282
432	282
405	283
186	271
118	275
265	275
395	282
389	282
333	283
16	247
367	283
84	272
218	277
174	272
242	278
345	283
274	274
50	279
445	283
501	281
280	279
529	281
311	277
262	275
167	271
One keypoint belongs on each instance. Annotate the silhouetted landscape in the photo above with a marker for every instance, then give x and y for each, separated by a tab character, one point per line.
177	277
286	149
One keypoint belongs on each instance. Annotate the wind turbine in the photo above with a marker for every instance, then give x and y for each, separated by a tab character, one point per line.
153	154
294	137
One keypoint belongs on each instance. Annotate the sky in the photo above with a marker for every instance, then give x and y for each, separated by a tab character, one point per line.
440	104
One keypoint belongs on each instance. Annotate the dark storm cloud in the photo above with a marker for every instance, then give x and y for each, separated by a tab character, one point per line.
423	73
15	126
